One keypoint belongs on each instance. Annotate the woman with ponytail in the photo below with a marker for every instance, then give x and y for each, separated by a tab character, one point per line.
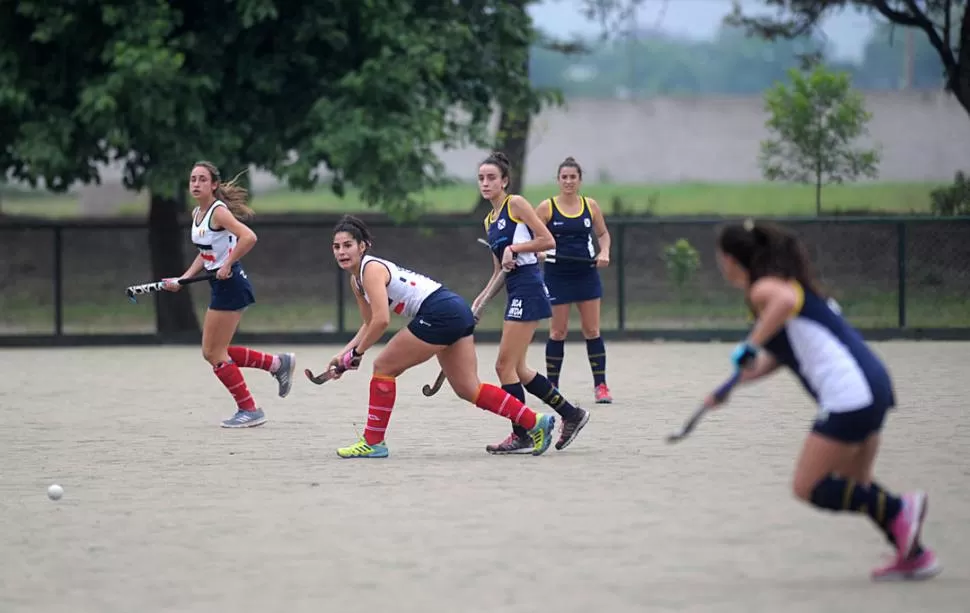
223	239
797	327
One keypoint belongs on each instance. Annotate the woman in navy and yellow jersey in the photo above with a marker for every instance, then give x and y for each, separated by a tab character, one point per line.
516	235
798	327
573	220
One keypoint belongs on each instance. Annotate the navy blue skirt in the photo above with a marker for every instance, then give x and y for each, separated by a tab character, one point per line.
232	294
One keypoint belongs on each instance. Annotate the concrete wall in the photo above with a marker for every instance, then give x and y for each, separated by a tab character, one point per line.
924	136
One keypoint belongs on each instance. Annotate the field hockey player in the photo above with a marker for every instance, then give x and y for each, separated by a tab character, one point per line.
223	239
441	326
515	235
797	327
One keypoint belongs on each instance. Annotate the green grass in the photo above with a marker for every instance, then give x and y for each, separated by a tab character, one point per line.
759	199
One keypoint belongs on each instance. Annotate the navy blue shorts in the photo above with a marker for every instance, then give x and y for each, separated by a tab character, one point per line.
443	319
528	298
852	426
570	283
232	294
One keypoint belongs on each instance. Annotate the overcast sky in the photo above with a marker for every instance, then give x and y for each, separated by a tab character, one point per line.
847	30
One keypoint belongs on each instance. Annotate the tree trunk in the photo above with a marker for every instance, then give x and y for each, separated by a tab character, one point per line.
174	314
512	138
960	84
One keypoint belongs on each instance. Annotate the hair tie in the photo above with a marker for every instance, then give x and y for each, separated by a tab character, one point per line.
748	225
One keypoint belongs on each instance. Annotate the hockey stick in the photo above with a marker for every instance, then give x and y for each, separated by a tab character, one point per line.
151	288
434	388
719	395
328	374
552	257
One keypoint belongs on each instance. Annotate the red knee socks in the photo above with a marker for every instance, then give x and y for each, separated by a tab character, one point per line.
502	403
244	357
383	392
232	378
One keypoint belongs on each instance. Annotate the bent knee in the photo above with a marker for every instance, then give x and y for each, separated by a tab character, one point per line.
210	355
802	489
466	389
385	368
505	367
558	331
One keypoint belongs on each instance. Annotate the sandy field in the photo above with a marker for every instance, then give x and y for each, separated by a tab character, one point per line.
165	511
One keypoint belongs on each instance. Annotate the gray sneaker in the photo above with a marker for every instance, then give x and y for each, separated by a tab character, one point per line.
245	419
284	375
571	428
514	444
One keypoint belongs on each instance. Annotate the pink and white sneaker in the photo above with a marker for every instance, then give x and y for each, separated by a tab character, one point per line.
602	393
917	568
908	523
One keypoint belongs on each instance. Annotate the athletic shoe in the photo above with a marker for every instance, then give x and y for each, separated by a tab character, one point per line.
602	393
245	419
284	374
361	449
916	568
570	428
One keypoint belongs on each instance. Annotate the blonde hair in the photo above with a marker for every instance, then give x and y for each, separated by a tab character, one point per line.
235	196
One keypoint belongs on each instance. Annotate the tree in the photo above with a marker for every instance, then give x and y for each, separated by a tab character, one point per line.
362	91
815	121
945	23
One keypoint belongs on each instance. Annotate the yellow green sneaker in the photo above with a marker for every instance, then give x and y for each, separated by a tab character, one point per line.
541	434
361	449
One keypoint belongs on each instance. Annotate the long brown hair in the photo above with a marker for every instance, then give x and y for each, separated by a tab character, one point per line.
766	249
235	196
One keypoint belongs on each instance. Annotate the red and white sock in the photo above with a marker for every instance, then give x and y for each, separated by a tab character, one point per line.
383	393
244	357
232	378
500	402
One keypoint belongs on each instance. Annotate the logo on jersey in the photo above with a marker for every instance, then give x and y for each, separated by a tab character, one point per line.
515	309
586	222
500	224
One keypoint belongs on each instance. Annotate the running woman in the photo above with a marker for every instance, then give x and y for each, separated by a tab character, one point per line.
223	239
573	219
798	327
516	235
441	325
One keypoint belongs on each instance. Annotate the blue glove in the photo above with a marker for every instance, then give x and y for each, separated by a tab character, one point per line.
744	355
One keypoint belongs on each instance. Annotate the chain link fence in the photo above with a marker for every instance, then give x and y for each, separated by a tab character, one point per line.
64	278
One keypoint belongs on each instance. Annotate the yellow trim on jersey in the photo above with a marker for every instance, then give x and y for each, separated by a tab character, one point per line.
582	208
508	204
800	300
488	218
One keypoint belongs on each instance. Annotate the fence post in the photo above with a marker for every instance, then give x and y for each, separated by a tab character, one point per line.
58	282
901	271
620	278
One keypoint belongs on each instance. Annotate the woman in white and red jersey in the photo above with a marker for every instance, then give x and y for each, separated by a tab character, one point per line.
441	325
223	239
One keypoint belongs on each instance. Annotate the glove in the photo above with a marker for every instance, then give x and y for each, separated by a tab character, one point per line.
350	360
744	355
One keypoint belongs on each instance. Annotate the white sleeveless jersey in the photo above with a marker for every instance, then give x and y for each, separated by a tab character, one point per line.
214	245
406	289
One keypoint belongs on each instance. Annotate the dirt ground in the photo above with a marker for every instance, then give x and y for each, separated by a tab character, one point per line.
165	511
